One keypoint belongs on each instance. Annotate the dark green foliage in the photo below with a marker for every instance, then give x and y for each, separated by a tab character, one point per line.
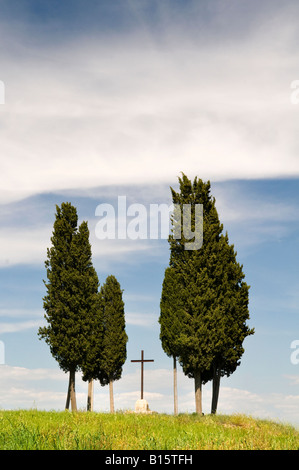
204	303
114	350
109	354
72	290
171	313
231	311
195	271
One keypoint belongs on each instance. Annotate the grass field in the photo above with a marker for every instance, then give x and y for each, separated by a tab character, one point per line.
44	430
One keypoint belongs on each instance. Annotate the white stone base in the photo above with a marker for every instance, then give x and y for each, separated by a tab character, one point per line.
141	406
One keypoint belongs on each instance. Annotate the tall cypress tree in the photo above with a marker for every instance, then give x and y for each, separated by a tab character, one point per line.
197	293
90	307
108	355
171	320
213	293
71	294
114	352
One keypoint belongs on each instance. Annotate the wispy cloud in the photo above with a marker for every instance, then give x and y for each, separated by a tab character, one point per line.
141	319
28	244
24	245
134	110
18	326
255	215
252	218
19	312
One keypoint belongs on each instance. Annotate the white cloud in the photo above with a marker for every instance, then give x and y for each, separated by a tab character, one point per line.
19	312
294	379
109	251
138	297
141	319
46	389
24	245
28	245
6	327
132	110
235	207
253	218
15	374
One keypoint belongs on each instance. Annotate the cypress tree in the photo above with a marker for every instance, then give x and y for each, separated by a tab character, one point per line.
171	318
109	354
196	291
212	291
92	360
114	352
90	304
71	294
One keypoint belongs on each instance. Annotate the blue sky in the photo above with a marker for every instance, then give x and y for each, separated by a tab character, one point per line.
106	99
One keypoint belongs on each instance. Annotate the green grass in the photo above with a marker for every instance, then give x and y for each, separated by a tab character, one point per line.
44	430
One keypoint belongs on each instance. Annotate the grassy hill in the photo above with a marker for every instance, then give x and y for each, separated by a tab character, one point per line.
31	429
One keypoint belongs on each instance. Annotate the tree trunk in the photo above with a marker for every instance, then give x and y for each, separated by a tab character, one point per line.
71	394
216	386
198	395
175	387
68	396
90	395
111	396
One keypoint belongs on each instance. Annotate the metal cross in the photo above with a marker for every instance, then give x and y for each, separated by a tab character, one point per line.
142	360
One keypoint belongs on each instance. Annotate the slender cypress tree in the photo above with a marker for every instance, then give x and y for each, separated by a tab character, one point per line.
109	354
71	294
92	360
171	319
114	352
90	302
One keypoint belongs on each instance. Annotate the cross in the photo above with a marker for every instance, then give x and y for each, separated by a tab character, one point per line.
142	360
